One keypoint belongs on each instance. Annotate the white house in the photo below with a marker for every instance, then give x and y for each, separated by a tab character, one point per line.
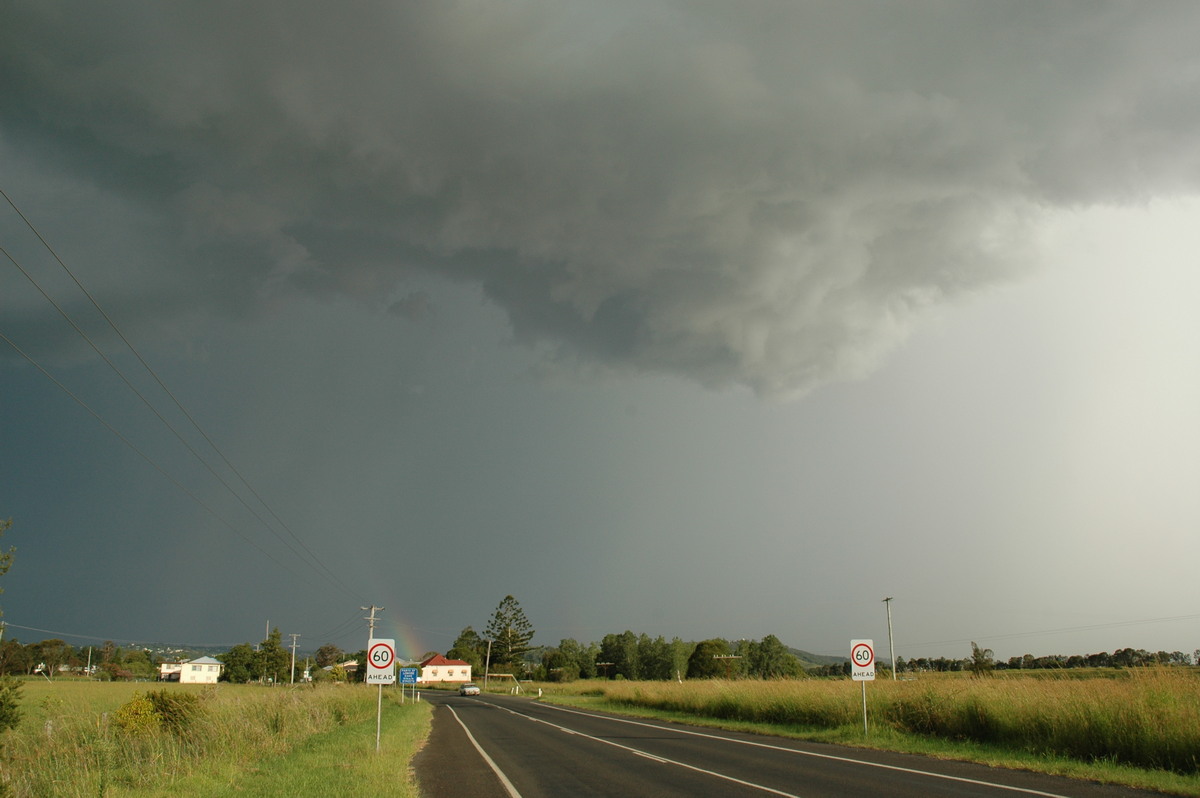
439	669
169	671
205	670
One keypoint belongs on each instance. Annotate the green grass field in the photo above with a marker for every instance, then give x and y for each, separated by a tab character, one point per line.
80	738
1136	727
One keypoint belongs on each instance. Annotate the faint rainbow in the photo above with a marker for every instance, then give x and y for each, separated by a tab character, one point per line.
408	646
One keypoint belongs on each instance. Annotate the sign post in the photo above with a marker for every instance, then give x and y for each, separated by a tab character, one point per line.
381	670
381	661
862	669
408	676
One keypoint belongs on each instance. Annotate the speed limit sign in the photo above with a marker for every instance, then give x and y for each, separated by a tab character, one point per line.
862	660
381	661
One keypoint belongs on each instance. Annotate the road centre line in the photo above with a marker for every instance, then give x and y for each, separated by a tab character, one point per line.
652	758
648	755
508	785
813	754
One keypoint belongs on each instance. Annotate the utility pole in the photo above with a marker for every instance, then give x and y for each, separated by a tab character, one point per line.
487	665
293	636
729	658
371	618
266	637
891	648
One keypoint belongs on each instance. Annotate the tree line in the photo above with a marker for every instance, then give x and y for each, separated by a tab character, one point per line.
54	656
268	661
624	655
1122	658
505	646
982	661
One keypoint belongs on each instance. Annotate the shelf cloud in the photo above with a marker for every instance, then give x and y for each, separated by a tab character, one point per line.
770	196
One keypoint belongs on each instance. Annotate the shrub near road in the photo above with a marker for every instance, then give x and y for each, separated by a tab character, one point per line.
119	739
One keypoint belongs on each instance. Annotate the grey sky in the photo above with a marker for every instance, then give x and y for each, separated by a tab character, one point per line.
663	316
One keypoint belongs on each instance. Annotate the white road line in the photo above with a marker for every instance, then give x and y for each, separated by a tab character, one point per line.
647	755
806	753
508	785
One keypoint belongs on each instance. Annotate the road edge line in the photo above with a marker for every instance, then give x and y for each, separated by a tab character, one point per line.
813	754
508	785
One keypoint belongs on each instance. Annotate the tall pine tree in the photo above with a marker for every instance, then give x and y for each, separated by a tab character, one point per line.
510	633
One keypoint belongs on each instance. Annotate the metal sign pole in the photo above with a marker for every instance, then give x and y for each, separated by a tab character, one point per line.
379	718
864	693
862	669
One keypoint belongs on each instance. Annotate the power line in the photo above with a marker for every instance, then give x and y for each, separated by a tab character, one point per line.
143	455
125	641
342	630
130	641
149	405
311	559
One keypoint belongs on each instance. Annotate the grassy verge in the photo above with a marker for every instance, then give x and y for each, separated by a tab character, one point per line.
94	739
1139	731
339	761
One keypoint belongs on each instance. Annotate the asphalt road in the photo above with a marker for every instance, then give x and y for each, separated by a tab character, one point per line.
497	746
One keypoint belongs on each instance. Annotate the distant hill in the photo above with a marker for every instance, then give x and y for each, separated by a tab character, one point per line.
810	660
179	651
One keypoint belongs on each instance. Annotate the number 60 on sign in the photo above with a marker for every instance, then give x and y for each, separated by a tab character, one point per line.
862	660
381	661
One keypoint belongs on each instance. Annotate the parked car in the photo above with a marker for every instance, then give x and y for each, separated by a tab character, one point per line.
468	689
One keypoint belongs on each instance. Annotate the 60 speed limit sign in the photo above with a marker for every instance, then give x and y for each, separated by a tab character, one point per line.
381	661
862	660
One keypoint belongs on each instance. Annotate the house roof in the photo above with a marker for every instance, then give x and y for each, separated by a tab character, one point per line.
438	659
205	661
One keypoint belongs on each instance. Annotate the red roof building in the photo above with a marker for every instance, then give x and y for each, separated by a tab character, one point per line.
439	669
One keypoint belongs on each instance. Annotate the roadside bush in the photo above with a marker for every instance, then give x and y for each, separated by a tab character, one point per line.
175	710
137	716
10	694
157	709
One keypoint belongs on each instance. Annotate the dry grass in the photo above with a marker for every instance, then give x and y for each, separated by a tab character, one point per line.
1148	719
71	741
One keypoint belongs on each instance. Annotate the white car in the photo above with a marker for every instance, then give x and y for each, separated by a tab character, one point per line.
468	689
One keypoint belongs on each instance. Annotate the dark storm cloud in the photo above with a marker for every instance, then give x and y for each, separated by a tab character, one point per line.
416	305
768	194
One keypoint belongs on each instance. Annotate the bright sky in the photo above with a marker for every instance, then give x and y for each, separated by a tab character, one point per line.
657	317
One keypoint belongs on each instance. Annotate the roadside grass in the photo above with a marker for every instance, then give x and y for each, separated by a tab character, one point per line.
99	739
1141	730
339	761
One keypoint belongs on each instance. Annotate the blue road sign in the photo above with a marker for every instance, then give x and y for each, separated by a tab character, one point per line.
408	676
